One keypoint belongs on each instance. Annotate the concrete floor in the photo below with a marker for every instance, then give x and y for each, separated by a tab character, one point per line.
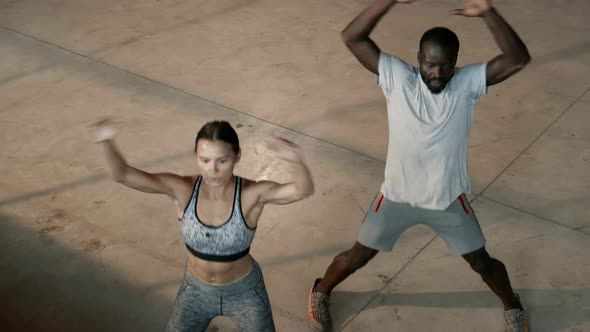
80	253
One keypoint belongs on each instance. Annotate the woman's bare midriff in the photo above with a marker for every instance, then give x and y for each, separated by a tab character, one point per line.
219	273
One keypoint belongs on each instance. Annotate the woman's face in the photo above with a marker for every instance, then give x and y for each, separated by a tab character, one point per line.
216	160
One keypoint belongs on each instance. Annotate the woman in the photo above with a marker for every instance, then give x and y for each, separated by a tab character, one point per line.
218	214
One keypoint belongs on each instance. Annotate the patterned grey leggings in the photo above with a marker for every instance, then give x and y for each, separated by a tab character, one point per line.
244	301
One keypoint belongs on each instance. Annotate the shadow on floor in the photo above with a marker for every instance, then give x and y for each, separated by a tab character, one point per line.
45	286
61	187
547	309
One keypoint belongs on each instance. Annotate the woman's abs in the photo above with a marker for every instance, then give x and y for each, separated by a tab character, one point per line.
219	273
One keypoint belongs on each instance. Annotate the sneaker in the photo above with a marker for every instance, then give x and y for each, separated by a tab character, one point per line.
516	319
318	308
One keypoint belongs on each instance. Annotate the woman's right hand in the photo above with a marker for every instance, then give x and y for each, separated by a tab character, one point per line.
104	130
161	183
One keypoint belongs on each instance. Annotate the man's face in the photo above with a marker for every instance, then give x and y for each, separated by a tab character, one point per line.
437	66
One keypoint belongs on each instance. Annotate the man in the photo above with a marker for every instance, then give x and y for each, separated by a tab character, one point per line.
429	110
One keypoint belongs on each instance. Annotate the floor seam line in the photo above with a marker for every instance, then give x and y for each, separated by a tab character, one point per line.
148	79
534	141
387	283
551	221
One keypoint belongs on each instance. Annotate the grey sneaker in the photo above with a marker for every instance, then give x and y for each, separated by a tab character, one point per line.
318	308
516	319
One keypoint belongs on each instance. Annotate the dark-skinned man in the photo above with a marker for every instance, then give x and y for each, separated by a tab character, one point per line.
430	108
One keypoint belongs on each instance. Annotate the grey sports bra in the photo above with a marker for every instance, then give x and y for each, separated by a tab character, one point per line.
224	243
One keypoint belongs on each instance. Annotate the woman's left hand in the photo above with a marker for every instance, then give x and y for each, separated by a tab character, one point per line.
285	149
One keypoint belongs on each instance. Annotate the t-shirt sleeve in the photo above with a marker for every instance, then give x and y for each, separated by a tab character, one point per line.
474	78
392	70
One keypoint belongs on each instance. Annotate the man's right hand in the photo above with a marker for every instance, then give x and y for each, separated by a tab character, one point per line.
356	34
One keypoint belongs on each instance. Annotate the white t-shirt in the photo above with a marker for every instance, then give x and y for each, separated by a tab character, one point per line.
428	133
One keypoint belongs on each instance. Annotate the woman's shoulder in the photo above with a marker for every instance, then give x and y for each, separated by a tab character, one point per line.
189	180
256	185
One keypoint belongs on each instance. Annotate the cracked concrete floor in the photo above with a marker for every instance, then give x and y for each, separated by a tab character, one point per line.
81	253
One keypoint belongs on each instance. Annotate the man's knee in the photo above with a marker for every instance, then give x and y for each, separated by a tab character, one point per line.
481	262
357	257
482	267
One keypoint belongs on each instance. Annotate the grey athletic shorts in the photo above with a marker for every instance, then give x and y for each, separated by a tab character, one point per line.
386	221
244	301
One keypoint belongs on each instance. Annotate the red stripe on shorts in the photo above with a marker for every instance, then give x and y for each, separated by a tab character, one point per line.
379	203
463	204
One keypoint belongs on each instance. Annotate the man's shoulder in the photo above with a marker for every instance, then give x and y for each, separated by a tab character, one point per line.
471	77
393	72
394	62
469	70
